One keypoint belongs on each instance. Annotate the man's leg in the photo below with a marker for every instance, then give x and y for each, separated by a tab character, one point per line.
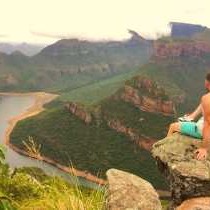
174	127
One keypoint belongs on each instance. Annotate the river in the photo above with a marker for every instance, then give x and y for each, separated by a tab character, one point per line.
11	106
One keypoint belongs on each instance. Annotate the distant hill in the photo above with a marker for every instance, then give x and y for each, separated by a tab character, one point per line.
61	65
25	48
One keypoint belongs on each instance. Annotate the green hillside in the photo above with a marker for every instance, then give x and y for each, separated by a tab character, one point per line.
71	63
98	147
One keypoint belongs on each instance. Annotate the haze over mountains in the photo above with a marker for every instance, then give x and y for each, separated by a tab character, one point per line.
25	48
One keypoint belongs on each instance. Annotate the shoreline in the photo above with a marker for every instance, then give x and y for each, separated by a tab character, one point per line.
41	98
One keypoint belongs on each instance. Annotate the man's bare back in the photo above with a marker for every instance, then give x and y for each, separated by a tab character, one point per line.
205	148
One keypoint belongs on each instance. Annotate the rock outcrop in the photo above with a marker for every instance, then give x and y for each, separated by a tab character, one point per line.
187	176
142	141
176	49
129	192
79	111
186	30
148	96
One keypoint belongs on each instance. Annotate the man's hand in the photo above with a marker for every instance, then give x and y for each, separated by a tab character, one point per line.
201	154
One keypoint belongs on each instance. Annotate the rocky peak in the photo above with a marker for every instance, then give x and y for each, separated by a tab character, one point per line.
136	36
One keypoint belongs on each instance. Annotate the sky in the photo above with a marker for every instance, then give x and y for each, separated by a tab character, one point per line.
46	21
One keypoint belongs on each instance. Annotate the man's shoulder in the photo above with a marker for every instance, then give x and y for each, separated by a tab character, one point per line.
206	96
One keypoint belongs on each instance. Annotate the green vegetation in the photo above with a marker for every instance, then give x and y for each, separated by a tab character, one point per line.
180	77
153	125
71	63
165	204
96	91
92	74
31	189
96	149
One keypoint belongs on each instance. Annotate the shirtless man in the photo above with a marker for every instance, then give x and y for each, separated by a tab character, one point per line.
191	128
205	106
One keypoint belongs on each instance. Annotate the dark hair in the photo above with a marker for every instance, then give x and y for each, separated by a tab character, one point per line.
208	77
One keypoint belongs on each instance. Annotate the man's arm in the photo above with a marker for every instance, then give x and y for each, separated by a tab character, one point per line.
197	112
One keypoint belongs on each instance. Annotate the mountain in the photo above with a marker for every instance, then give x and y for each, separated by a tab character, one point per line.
25	48
112	119
185	29
61	65
135	111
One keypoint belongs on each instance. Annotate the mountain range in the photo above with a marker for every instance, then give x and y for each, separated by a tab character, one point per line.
122	95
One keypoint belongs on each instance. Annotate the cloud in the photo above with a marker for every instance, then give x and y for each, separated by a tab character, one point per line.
50	35
74	35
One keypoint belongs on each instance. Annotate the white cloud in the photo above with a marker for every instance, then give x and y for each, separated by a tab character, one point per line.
95	19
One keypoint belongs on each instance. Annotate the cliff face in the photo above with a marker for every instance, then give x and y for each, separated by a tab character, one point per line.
148	96
176	49
140	140
79	111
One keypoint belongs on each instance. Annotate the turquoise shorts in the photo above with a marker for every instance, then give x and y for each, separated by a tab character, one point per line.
190	129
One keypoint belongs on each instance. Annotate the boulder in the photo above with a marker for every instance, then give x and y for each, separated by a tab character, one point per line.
130	192
187	176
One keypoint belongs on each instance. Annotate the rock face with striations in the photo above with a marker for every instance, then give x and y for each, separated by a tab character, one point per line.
79	111
187	176
130	192
148	96
178	49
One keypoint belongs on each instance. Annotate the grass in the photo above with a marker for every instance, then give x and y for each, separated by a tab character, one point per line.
165	204
29	188
58	196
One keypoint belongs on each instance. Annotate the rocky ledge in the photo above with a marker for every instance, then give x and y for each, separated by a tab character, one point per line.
187	177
